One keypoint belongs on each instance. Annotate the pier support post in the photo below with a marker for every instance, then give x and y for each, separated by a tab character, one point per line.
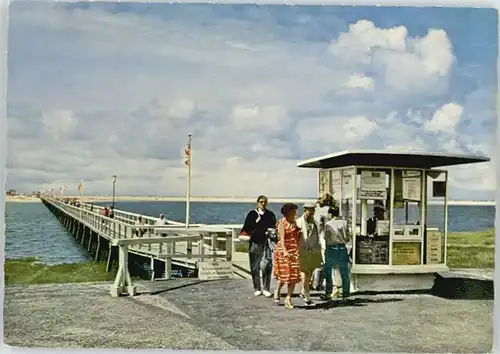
89	246
123	282
82	232
98	248
110	258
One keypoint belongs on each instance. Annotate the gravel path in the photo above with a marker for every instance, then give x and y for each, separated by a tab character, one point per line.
190	314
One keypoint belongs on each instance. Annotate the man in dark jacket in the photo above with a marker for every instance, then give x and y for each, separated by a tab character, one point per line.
257	226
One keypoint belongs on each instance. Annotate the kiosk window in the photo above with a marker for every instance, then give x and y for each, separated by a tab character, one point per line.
408	199
373	195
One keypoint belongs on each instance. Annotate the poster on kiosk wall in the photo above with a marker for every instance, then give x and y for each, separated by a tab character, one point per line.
411	185
324	182
373	185
347	183
336	184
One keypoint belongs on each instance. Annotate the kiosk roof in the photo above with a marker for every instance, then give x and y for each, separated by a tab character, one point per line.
390	158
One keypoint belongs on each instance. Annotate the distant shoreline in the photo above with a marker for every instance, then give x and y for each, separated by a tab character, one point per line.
224	200
22	199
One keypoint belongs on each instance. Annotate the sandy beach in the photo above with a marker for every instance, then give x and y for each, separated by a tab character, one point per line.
19	199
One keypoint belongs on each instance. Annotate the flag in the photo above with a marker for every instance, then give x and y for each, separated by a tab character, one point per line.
80	187
187	155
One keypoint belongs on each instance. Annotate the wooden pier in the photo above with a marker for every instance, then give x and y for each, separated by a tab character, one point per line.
163	245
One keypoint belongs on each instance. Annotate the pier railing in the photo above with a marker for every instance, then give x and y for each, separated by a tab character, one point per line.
112	228
123	282
131	219
164	242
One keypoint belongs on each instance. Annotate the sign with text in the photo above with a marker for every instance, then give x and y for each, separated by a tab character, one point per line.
336	184
411	188
434	247
324	182
215	270
372	250
347	182
373	185
406	253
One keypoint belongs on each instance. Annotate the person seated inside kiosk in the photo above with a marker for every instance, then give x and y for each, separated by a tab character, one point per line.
378	215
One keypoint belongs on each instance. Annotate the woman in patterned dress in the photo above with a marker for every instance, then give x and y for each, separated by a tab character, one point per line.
286	254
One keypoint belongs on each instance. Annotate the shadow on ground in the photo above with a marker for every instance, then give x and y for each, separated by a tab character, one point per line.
415	321
463	288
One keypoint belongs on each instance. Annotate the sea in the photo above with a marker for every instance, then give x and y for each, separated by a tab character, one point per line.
32	231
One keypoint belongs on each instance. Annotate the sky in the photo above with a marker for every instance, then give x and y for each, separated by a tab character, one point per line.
96	89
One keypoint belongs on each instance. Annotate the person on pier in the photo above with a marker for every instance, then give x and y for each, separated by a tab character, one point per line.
161	220
259	227
310	249
286	256
139	231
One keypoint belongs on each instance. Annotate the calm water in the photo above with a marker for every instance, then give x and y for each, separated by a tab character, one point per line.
33	231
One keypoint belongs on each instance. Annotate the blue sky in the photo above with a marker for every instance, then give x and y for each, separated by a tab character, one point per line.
96	89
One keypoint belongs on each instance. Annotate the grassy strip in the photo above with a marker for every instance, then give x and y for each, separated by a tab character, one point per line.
29	271
473	257
479	238
478	255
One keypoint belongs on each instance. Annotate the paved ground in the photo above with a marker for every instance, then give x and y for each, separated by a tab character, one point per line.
190	314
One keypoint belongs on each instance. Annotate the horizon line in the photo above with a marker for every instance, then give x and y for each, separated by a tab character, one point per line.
232	198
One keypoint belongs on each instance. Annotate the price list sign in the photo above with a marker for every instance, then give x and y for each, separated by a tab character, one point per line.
372	250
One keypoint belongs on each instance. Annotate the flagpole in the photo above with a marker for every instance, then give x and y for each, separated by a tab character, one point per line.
188	179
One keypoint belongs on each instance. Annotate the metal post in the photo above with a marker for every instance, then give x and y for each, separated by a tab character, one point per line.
188	178
114	189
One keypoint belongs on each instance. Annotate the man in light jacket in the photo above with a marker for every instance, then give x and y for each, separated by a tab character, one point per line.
323	205
310	253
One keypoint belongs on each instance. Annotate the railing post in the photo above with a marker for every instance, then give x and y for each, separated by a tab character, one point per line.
214	245
149	235
189	249
201	245
168	261
233	240
123	281
229	246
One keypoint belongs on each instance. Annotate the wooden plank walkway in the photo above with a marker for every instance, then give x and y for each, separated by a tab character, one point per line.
185	253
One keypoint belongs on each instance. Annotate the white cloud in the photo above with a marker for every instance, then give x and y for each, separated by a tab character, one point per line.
357	128
360	81
406	63
181	109
93	93
255	118
59	123
453	146
445	119
362	37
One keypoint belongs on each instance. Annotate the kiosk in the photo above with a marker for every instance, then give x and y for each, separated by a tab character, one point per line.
396	207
